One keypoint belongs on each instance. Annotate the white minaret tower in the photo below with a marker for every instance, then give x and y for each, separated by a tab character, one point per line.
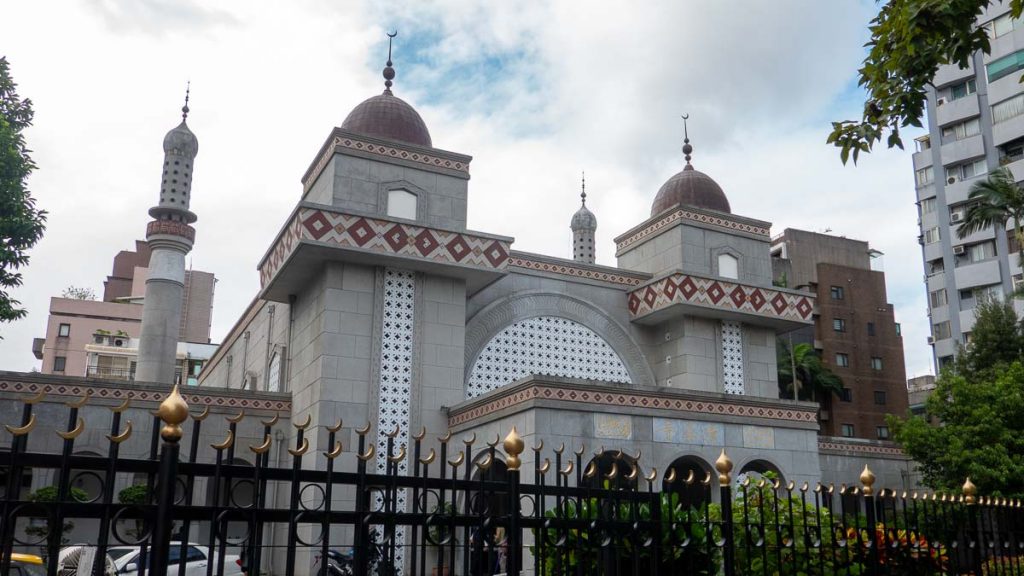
170	238
584	225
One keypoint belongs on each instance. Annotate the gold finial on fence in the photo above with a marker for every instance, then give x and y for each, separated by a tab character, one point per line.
970	492
547	466
81	402
127	433
514	446
335	452
124	406
486	463
35	399
22	430
304	424
262	448
202	415
226	443
74	432
724	467
173	411
236	418
364	430
270	423
867	478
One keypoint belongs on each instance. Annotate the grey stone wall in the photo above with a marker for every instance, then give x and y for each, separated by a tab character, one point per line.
243	360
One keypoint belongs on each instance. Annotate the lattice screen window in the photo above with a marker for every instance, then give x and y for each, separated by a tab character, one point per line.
732	356
396	374
545	345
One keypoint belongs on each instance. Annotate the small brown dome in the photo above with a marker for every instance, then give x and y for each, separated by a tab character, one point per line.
690	188
390	117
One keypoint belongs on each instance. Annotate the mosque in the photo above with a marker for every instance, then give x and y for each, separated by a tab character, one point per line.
377	304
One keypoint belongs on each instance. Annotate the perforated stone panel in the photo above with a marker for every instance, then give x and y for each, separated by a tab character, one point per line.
732	357
396	376
546	345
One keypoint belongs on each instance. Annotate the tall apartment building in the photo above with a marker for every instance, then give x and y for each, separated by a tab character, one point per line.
100	338
975	125
855	330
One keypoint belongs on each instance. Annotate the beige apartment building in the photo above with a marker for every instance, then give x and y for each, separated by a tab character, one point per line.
100	338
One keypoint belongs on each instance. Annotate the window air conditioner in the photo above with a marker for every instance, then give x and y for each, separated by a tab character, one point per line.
951	180
956	216
931	340
959	249
940	102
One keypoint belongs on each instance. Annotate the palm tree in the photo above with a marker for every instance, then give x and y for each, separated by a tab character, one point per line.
996	200
812	376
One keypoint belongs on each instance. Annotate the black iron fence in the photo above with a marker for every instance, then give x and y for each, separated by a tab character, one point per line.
460	509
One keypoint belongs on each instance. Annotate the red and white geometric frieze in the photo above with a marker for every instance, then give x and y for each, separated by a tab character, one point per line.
620	398
838	445
574	271
385	237
686	289
192	396
623	242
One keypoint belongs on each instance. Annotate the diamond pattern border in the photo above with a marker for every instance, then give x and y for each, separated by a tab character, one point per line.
386	237
838	445
574	271
719	294
674	217
191	395
619	398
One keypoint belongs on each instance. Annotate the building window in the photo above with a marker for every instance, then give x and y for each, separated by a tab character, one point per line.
1011	151
64	330
961	130
883	432
963	89
728	266
880	397
981	251
1005	66
899	329
931	235
402	204
927	206
839	325
871	328
923	143
1001	25
836	292
274	373
59	363
842	360
966	170
847	430
846	395
924	176
936	266
941	330
876	363
1007	109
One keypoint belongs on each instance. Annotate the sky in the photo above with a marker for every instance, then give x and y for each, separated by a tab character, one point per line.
536	92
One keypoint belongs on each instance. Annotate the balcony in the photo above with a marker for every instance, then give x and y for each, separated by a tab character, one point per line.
959	150
952	73
922	159
978	274
107	373
956	110
960	190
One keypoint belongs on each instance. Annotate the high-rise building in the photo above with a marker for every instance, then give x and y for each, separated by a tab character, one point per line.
855	330
975	124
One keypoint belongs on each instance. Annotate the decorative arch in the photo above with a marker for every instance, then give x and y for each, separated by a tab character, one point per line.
759	467
575	325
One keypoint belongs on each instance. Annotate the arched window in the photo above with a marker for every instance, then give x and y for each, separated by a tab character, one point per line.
728	266
402	204
694	494
546	345
757	469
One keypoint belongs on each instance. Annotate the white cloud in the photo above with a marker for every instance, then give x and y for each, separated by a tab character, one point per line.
581	85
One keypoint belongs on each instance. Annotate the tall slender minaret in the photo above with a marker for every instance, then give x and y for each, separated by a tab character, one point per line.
170	238
584	225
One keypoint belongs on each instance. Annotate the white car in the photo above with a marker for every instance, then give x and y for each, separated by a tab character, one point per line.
126	560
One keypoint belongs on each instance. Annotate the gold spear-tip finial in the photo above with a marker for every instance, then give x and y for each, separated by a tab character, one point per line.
724	467
970	492
173	411
867	478
514	446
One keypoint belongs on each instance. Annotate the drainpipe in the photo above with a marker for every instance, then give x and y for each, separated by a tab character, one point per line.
291	321
279	440
245	360
227	381
266	359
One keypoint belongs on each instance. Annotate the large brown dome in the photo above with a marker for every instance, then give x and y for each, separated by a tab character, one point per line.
390	117
690	188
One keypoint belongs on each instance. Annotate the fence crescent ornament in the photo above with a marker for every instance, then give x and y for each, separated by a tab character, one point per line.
671	476
74	432
690	478
639	454
301	450
305	424
35	399
335	452
444	439
536	448
819	488
80	403
469	441
568	469
270	423
419	437
226	443
582	449
336	428
126	434
545	467
618	455
458	461
394	433
590	471
122	406
429	459
652	476
633	473
262	448
236	418
805	487
370	451
202	415
614	473
364	430
398	457
486	463
22	430
707	479
745	482
560	449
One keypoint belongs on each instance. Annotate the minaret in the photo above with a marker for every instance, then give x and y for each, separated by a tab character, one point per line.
170	238
584	224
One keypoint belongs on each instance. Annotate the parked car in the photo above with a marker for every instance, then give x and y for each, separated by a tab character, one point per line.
26	565
127	558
